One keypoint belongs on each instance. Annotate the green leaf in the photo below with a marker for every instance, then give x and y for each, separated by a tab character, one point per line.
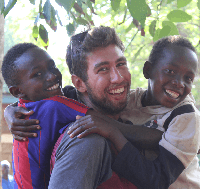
152	28
179	16
40	6
138	10
79	3
89	4
35	32
182	3
198	4
173	28
2	6
32	2
67	4
115	4
70	29
156	36
47	10
148	10
164	31
43	34
53	22
9	6
81	21
169	1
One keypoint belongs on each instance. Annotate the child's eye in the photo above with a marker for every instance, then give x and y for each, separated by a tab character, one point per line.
38	74
170	71
190	79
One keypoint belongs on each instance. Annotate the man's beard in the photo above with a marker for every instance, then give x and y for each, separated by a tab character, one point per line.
105	105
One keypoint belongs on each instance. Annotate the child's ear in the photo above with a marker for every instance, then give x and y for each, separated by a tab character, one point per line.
147	69
79	83
16	92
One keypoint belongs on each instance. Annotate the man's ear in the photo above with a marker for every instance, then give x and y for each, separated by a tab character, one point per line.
147	69
16	92
78	83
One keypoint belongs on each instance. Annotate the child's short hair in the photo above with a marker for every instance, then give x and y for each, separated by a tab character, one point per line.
161	44
9	69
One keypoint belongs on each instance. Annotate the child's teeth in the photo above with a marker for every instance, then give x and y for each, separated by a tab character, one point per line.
172	94
53	87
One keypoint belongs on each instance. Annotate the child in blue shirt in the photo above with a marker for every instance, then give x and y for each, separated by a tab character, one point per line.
32	76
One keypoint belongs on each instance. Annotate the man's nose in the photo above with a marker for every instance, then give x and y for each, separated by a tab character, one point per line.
116	76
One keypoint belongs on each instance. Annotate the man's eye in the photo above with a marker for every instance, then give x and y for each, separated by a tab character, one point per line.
121	64
103	69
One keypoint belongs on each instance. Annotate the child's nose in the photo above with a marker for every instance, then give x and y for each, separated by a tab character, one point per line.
178	82
50	76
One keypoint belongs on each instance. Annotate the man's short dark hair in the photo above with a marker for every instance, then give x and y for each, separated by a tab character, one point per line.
86	42
157	51
9	68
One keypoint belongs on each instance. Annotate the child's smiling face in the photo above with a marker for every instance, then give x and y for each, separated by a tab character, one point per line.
39	77
171	78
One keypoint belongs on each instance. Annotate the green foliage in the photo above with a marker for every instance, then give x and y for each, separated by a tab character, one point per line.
115	4
9	6
179	16
138	10
66	4
182	3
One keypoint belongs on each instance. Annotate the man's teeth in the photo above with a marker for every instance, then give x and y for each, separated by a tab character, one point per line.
117	91
53	87
172	94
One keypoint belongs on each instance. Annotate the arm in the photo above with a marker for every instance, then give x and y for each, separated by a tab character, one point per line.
19	127
140	136
145	174
129	163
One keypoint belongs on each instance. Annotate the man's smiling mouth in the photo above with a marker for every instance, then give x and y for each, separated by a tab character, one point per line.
117	91
172	94
56	86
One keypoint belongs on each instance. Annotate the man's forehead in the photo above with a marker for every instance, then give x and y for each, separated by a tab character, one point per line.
105	54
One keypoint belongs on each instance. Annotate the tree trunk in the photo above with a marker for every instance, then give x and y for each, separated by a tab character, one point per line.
1	81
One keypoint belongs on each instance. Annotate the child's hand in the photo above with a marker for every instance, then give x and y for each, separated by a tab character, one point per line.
90	124
99	124
19	127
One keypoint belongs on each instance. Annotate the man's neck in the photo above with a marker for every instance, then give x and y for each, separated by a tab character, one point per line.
88	103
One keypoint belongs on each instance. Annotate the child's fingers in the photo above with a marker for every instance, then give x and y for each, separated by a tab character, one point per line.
86	133
78	123
78	117
19	134
76	131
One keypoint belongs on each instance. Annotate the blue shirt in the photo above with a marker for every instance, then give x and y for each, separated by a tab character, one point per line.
8	184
